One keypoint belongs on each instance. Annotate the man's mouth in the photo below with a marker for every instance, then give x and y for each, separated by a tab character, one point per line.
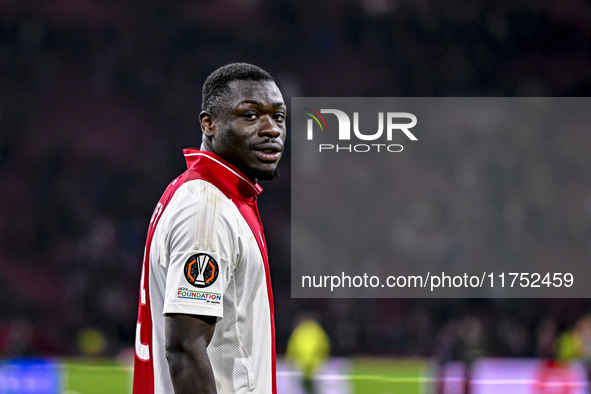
268	153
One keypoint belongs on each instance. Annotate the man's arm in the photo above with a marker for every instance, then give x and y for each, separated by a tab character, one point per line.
187	338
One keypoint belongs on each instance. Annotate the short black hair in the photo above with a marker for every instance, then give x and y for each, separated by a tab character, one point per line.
216	89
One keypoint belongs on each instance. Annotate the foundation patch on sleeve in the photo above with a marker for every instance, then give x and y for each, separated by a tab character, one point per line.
201	270
184	293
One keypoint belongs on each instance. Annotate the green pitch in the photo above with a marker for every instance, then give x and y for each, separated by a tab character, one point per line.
96	377
390	376
366	376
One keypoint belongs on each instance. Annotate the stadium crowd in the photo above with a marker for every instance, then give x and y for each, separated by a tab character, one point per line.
99	97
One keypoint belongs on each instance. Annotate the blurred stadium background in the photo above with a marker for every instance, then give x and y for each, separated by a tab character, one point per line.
99	97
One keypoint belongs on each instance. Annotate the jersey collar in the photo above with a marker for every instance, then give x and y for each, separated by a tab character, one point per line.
215	169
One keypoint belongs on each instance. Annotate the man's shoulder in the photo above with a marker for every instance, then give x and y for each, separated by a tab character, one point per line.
200	211
198	194
201	188
205	201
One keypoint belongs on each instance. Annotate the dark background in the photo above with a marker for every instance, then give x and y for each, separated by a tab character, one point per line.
99	97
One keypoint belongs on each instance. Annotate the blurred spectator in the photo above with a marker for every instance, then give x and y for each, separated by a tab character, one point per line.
546	332
308	348
17	338
471	339
576	343
91	342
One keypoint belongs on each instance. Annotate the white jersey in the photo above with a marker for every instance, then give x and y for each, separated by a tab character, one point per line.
207	256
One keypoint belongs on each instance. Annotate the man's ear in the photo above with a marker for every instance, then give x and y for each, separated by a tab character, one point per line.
206	121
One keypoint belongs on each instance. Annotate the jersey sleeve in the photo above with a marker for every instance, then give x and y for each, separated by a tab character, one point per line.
201	251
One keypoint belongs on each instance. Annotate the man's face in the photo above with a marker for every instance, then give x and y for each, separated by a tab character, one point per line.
250	131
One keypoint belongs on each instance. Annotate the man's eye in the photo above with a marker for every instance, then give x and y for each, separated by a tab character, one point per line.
250	116
280	117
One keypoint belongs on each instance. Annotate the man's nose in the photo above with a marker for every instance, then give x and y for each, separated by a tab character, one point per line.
269	127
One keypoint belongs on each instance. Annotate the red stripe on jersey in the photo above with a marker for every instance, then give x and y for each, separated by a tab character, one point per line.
143	369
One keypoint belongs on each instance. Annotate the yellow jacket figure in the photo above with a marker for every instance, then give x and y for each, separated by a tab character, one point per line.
308	348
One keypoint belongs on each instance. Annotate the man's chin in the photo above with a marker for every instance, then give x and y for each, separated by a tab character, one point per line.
262	175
